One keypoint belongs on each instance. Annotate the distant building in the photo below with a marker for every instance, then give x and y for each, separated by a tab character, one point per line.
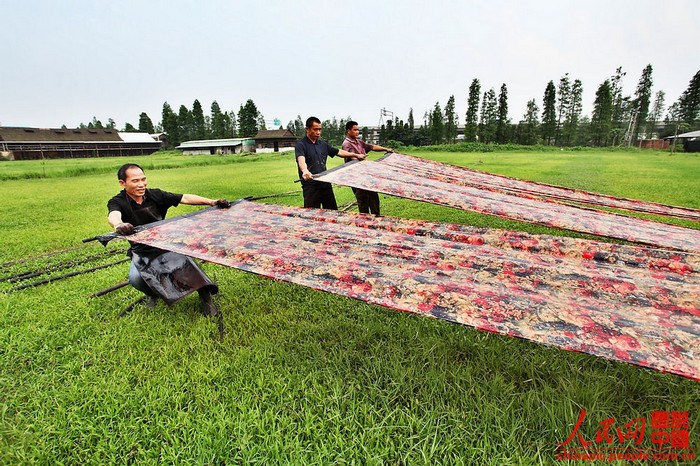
18	143
690	141
217	146
274	140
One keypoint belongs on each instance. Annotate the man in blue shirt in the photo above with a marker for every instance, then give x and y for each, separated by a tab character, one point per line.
311	153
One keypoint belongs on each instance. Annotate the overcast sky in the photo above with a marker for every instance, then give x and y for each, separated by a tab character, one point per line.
64	62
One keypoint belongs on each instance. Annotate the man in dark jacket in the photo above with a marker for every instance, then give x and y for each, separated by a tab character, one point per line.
311	153
155	272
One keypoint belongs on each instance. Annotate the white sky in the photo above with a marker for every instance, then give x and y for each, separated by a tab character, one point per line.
64	62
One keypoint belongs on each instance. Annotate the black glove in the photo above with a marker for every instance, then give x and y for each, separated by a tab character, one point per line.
125	229
222	203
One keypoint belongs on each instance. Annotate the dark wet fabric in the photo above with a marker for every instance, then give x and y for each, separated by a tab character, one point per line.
172	276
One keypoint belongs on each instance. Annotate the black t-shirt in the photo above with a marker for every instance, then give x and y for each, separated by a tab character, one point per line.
315	155
153	209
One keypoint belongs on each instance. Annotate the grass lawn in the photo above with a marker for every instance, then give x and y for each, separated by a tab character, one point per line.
300	377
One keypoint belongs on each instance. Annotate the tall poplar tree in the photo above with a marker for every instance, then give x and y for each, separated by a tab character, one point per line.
199	127
528	127
502	119
549	114
563	102
248	120
689	103
657	111
184	124
601	119
573	114
620	106
488	118
642	100
436	126
170	126
218	121
450	121
471	122
145	124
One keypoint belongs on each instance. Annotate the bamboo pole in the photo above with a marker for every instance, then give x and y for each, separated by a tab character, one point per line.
67	275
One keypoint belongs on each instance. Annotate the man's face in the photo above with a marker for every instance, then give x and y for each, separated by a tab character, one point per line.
135	182
314	132
354	132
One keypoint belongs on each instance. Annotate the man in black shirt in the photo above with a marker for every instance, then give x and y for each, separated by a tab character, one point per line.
155	272
311	153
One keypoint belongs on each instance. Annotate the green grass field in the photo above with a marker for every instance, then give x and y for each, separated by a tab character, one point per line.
300	377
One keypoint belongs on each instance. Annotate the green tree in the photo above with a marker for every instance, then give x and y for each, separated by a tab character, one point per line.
563	103
620	106
450	121
145	124
129	128
601	119
436	126
642	100
248	120
199	127
170	126
689	103
184	124
334	131
489	117
219	123
411	123
573	114
111	124
549	114
95	124
528	128
471	122
657	111
502	122
231	122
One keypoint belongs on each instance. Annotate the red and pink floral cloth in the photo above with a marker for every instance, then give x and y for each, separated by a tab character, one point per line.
625	303
438	183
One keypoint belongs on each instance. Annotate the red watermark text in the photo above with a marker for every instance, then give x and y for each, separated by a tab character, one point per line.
663	436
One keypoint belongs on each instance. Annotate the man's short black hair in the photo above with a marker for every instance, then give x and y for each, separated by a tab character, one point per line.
349	125
121	173
311	120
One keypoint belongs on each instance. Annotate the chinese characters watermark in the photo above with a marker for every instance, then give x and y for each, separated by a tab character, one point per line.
668	439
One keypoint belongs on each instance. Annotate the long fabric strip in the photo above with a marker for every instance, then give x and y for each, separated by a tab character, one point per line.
624	303
499	183
411	184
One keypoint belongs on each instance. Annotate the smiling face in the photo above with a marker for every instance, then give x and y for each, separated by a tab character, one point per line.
134	183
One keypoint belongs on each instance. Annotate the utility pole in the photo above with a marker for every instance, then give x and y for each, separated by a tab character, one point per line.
382	113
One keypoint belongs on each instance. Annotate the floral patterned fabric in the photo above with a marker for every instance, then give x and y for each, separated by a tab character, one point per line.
498	183
625	303
414	178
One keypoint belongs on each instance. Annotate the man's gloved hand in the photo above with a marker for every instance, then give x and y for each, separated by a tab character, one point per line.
125	229
222	203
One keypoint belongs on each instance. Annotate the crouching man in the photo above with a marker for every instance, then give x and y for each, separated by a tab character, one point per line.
158	273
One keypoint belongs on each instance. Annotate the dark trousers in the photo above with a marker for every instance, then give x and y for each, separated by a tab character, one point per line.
319	195
367	201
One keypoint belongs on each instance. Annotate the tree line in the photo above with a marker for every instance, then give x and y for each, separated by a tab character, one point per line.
192	124
616	119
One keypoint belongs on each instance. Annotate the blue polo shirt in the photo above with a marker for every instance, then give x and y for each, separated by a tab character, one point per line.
315	155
